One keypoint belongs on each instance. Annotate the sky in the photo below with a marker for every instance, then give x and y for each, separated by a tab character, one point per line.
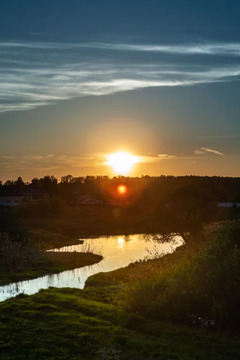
84	79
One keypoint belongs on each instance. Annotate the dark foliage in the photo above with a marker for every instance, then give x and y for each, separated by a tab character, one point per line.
164	203
202	289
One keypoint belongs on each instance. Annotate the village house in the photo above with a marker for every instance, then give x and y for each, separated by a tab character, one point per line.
10	201
228	204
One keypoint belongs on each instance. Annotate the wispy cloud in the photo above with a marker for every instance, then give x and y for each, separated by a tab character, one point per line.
228	49
204	150
204	48
150	158
225	136
55	71
48	162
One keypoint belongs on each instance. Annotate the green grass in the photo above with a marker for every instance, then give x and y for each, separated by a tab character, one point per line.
128	313
80	324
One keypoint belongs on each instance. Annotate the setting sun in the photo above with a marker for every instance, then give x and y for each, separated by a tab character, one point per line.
122	162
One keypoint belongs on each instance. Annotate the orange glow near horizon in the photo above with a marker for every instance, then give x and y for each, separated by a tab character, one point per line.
122	189
122	162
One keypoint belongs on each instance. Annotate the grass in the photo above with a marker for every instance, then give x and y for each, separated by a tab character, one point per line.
49	238
48	229
201	287
80	324
23	248
133	313
81	221
197	285
49	263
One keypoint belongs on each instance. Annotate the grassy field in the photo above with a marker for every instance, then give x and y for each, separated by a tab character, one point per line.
138	312
87	324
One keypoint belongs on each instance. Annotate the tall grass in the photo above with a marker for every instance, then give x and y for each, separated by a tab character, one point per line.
17	253
200	287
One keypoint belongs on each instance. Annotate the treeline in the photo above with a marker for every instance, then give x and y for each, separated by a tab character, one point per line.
145	188
164	203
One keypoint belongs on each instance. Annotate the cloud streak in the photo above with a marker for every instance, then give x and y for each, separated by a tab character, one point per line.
201	48
48	162
226	49
55	71
204	150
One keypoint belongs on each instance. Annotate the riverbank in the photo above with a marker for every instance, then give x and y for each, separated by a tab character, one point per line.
120	315
50	230
25	239
32	233
48	263
197	285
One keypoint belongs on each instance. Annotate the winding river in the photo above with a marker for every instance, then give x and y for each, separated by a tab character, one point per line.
117	252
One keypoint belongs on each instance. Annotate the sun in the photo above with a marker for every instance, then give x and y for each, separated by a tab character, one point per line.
122	162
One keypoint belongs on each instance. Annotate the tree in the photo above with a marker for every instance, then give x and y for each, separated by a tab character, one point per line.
67	179
19	184
186	210
49	184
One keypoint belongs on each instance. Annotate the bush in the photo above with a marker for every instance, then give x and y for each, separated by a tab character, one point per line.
203	289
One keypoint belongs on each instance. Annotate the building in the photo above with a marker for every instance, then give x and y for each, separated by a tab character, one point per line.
228	204
10	201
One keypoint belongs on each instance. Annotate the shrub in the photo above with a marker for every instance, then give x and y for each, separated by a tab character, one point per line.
203	289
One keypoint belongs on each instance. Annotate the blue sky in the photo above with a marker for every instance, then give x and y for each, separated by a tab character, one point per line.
82	79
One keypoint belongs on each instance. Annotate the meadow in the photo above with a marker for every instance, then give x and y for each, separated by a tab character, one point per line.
181	306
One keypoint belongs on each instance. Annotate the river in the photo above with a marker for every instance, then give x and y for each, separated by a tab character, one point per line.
117	252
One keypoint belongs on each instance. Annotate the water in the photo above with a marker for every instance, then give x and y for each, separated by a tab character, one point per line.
117	251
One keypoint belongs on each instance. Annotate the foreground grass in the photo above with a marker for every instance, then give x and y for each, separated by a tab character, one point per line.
135	312
85	324
49	263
